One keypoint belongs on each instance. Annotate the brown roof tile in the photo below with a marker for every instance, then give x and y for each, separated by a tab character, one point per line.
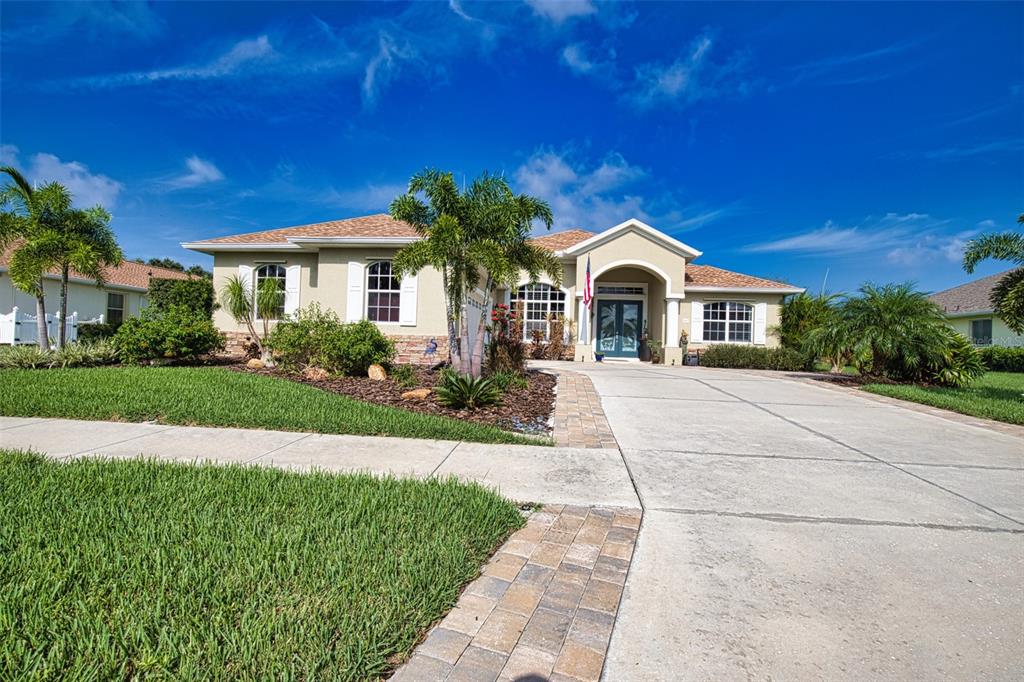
559	241
127	274
379	225
710	276
970	297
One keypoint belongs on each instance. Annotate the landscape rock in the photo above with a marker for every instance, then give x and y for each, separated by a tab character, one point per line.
315	373
377	373
416	394
255	363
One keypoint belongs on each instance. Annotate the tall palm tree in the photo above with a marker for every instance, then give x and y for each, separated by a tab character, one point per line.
1008	294
27	215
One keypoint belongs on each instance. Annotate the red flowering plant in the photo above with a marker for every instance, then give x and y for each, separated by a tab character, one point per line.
505	351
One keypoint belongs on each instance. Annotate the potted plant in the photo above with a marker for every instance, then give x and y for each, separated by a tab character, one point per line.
644	351
598	356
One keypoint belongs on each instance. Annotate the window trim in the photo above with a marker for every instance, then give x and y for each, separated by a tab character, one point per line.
511	299
751	305
259	265
367	291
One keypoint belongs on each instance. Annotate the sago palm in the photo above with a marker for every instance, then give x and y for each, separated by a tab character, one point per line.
1008	294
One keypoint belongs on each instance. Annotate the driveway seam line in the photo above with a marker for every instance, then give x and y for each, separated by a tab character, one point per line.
836	520
444	459
117	442
280	447
935	465
866	454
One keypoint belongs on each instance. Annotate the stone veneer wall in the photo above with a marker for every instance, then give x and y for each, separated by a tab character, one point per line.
408	349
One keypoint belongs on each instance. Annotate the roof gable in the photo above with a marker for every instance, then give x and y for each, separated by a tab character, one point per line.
634	225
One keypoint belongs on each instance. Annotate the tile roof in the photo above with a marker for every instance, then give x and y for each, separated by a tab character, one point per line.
127	274
378	225
559	241
710	276
970	297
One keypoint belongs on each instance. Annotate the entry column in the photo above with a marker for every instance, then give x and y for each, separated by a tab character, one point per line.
673	353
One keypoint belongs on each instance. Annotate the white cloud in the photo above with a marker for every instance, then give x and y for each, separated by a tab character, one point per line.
374	198
558	11
200	172
903	239
578	58
867	60
87	189
384	66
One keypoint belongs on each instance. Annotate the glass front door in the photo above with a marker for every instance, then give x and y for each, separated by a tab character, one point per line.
619	327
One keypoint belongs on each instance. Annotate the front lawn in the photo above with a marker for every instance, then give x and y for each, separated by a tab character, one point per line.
996	395
134	569
214	396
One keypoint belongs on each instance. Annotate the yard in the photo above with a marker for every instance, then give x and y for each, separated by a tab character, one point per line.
126	569
996	395
215	396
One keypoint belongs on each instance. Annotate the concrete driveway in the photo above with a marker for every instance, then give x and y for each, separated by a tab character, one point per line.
796	532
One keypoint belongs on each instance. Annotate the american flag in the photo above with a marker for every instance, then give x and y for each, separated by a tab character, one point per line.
588	296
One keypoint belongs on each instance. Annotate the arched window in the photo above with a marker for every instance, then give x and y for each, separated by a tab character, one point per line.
537	303
276	274
728	321
383	293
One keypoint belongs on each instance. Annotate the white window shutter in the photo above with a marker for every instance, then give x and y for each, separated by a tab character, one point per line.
760	322
696	322
407	302
245	274
292	275
354	304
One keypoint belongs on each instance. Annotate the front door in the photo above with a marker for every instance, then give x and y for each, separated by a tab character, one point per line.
618	328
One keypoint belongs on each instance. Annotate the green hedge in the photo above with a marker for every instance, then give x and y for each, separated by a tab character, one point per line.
313	337
194	294
1003	359
171	334
754	357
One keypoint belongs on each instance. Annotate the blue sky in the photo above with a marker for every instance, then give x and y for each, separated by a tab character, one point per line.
783	140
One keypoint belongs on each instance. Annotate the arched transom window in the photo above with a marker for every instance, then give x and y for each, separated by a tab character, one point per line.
383	293
274	273
728	321
537	303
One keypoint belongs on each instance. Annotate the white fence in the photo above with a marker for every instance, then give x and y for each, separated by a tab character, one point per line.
17	327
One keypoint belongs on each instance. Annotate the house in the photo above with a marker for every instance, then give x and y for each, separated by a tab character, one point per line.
641	279
123	294
968	308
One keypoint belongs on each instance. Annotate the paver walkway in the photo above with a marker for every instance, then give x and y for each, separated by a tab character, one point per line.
544	607
580	421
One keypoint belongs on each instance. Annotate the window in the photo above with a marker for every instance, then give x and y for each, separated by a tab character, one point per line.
981	332
115	308
632	291
276	274
728	321
383	293
537	303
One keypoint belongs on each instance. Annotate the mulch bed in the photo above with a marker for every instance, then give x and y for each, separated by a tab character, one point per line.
525	410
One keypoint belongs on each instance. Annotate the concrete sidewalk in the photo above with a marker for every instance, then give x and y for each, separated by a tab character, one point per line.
523	473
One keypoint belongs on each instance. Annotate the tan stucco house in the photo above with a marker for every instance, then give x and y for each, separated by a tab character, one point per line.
641	278
968	309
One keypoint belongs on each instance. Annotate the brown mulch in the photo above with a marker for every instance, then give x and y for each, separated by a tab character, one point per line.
526	410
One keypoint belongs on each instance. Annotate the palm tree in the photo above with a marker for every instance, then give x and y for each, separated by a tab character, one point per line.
1008	294
245	306
801	313
480	233
27	215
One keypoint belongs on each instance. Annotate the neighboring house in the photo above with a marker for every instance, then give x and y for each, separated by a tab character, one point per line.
122	296
641	278
969	310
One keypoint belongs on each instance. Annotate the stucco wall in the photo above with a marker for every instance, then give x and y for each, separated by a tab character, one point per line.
87	299
632	248
324	280
1001	334
771	313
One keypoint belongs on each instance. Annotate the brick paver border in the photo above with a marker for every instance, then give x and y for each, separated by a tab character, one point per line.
544	607
579	419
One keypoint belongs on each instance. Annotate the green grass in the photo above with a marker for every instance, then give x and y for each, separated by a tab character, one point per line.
139	569
213	396
996	395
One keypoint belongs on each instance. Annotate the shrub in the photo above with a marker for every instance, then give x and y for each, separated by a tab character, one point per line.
754	357
1002	359
75	354
25	357
958	367
507	380
464	391
404	376
506	351
193	294
316	337
96	332
175	333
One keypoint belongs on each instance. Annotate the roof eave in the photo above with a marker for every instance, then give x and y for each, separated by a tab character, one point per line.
206	247
970	313
673	244
744	290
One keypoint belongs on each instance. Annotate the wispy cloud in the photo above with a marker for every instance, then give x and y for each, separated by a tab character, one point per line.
577	57
87	189
89	20
384	66
200	172
991	147
856	67
375	198
559	11
900	238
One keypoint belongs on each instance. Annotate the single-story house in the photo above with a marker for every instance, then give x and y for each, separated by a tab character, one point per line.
968	308
122	295
641	279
